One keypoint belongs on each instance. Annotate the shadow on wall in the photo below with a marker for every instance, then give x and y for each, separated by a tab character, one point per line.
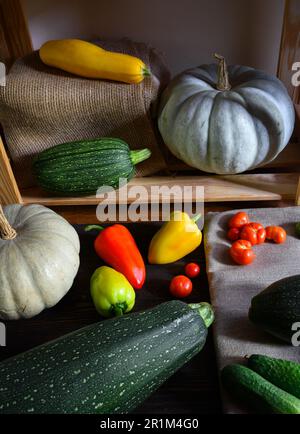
188	32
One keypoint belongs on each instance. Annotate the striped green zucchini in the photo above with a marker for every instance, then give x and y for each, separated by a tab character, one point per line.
80	168
108	367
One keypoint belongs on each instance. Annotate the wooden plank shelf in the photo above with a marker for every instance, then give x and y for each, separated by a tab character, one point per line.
15	40
290	48
257	187
297	127
9	191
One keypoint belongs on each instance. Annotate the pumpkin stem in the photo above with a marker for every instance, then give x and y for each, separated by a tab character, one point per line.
6	231
223	80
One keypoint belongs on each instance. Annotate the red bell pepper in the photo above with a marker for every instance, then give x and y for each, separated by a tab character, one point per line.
116	246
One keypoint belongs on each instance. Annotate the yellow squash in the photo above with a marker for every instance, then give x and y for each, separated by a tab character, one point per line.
176	238
89	60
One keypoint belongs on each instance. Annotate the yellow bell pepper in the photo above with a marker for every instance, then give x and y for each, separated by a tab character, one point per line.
175	239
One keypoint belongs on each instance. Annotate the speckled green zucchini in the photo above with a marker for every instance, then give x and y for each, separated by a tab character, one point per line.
108	367
260	394
283	373
80	168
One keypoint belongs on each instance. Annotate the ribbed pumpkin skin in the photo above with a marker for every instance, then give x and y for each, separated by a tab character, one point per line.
109	367
38	267
82	167
226	132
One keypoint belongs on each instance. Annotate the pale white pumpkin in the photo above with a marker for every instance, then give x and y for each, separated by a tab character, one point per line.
226	121
39	258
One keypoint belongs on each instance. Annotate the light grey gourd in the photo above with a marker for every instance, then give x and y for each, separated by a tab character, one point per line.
226	120
39	258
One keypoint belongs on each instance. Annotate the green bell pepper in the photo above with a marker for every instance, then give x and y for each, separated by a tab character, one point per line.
111	292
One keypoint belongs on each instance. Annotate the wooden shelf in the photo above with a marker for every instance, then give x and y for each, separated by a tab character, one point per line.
277	181
9	191
262	186
257	187
297	125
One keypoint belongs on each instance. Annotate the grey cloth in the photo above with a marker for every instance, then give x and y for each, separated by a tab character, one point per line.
232	287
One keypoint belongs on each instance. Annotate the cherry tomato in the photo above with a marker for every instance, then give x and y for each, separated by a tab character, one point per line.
253	232
192	269
276	234
238	220
233	234
181	286
241	252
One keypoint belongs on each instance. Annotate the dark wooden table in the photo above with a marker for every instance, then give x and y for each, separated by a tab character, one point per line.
194	388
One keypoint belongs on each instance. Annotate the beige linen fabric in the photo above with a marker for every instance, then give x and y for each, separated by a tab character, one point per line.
233	286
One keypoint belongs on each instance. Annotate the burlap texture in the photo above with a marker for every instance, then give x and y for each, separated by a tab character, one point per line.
233	286
41	107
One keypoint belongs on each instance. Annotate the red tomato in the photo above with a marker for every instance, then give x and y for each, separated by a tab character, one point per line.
181	286
192	269
238	220
241	252
276	234
253	232
233	234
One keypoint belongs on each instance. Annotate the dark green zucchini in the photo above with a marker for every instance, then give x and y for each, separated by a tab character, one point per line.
108	367
277	308
80	168
283	373
260	394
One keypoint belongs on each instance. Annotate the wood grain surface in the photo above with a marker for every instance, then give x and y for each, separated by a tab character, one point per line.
193	389
16	40
290	47
297	125
9	191
246	187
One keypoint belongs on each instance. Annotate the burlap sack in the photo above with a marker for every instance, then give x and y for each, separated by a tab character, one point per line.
42	106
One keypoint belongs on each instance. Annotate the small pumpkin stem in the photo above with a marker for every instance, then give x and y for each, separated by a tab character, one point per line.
6	231
223	80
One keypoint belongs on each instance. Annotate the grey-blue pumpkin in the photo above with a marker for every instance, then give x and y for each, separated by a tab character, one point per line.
226	120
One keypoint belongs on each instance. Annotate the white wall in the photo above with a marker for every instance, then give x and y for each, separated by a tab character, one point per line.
188	32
